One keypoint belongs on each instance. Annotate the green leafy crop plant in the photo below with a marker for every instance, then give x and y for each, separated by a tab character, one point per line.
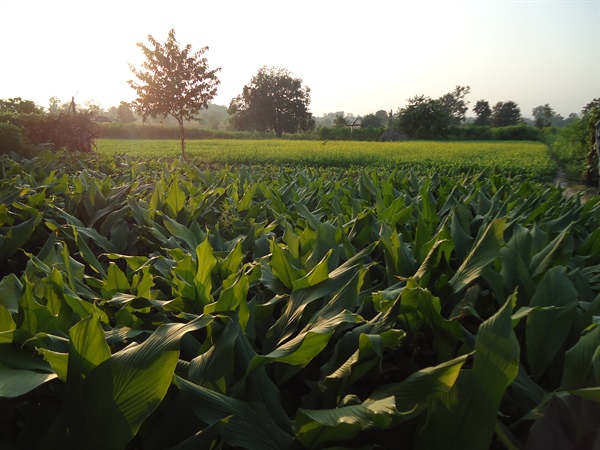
529	159
151	303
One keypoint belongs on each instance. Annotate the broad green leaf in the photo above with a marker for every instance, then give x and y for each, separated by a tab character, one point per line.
318	427
97	238
205	438
116	281
175	198
74	269
582	362
59	362
11	290
13	238
88	347
566	420
249	425
399	258
415	393
6	321
300	350
325	244
133	262
592	393
232	262
213	369
459	230
36	317
181	232
233	298
544	259
121	392
318	274
465	416
206	261
87	254
446	332
484	252
287	323
547	330
246	201
368	355
17	382
282	266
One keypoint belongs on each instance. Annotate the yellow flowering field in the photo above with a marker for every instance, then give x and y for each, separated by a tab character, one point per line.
511	157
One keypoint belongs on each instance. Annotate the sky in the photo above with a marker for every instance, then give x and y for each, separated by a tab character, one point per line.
355	56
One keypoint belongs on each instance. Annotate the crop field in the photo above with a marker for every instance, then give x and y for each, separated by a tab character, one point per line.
529	159
151	303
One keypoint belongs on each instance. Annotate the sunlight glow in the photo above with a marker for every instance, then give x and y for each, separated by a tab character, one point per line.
356	57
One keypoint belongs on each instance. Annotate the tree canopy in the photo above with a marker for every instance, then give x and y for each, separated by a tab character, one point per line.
543	115
427	118
19	106
273	100
483	111
505	114
455	104
377	120
125	114
173	81
423	118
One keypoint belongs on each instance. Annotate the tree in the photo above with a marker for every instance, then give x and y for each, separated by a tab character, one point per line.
543	115
424	118
124	113
505	114
340	121
377	120
591	106
455	104
273	100
19	106
173	81
55	106
483	111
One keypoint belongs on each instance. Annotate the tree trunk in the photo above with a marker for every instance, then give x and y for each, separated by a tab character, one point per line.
181	136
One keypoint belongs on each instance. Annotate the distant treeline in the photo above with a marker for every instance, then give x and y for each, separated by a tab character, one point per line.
520	132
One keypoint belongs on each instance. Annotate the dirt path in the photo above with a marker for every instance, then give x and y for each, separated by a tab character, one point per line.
572	188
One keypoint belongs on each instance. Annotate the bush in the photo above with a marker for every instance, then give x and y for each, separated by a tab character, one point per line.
160	131
11	139
470	133
574	148
517	133
346	134
74	132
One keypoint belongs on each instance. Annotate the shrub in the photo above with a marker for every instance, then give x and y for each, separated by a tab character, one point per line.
574	146
520	132
10	138
470	133
346	134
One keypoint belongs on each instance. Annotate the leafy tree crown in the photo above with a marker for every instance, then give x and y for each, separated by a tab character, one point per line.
173	80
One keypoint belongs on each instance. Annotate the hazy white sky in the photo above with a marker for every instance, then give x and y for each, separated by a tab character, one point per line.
356	56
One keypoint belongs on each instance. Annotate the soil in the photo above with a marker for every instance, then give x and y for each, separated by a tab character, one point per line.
572	188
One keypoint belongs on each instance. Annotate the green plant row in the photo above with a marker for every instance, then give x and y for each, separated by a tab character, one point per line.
526	159
146	304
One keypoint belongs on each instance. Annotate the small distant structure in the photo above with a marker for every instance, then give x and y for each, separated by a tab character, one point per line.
356	123
393	135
